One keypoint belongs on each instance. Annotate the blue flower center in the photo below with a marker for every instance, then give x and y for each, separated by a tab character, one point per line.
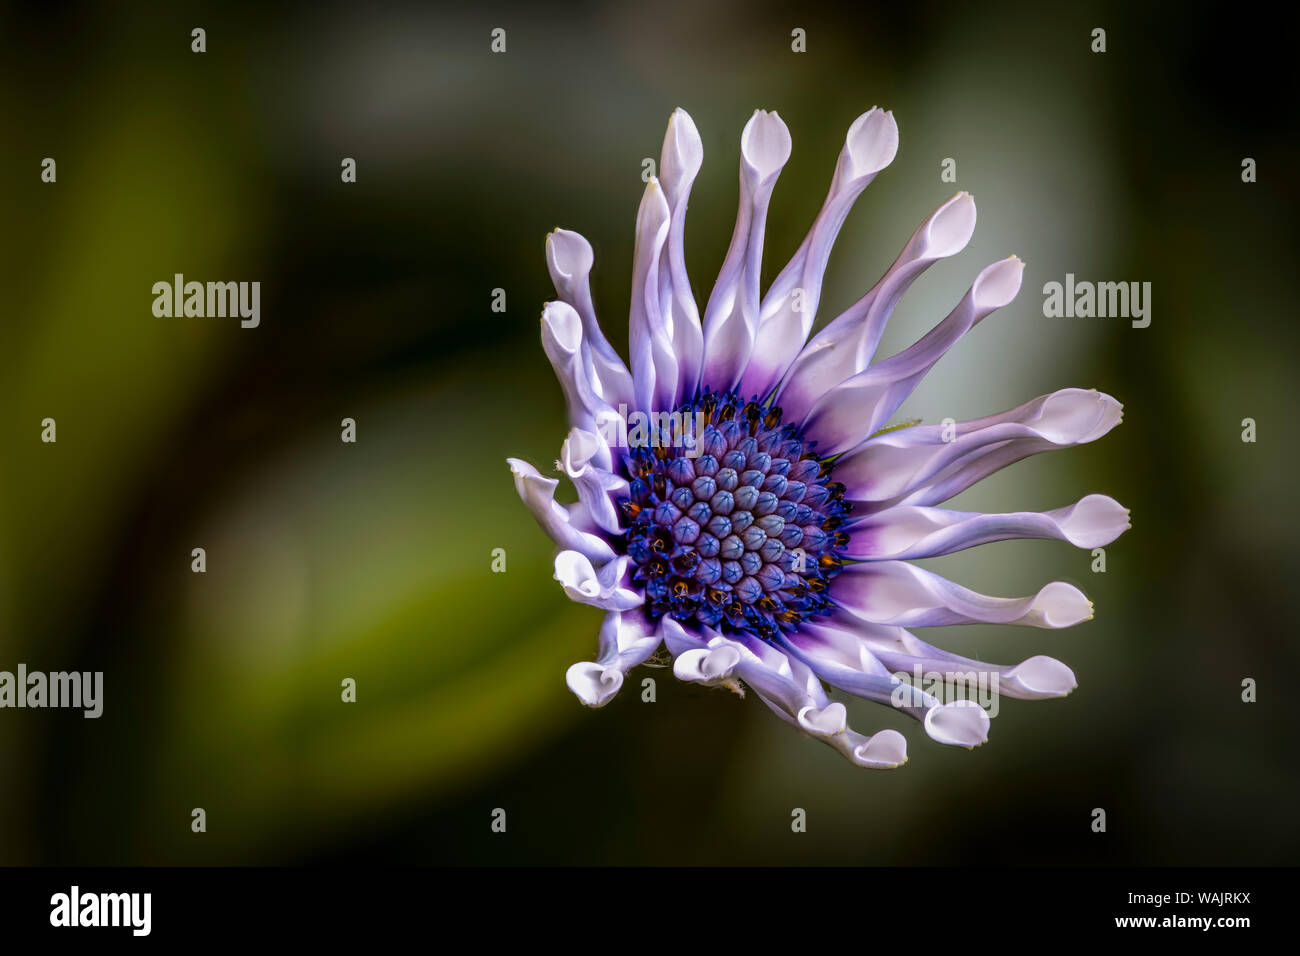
731	520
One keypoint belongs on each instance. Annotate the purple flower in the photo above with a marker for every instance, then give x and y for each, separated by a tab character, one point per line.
740	499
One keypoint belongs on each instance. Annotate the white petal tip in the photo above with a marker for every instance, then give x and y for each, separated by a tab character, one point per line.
1061	605
950	228
569	253
1075	416
712	665
1095	522
765	144
882	751
962	723
871	143
683	149
572	568
562	326
1112	414
594	684
828	721
998	284
531	484
579	448
1043	676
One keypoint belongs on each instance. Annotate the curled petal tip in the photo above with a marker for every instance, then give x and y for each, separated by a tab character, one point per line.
828	721
871	143
526	475
569	252
1111	415
579	448
765	143
706	665
562	325
1094	522
1044	676
682	143
594	684
1075	416
962	723
951	227
653	213
998	284
584	584
1062	605
884	750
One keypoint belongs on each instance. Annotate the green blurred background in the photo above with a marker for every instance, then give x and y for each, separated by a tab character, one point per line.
372	561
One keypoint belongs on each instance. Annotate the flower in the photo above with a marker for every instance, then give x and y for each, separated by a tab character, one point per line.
740	499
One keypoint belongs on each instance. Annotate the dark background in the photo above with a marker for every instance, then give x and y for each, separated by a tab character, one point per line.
371	561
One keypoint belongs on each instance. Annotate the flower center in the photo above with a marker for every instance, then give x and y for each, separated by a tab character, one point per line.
731	519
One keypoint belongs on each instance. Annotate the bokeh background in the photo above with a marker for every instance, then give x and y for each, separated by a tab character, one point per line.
372	561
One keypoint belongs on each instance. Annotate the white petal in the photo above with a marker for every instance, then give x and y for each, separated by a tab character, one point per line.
765	145
538	493
688	665
856	408
790	306
563	342
856	671
680	161
580	456
903	652
845	346
605	588
681	157
896	592
884	750
824	721
569	258
711	665
1094	522
627	638
594	684
787	686
869	146
820	647
1042	676
732	314
677	639
907	532
962	723
927	464
650	337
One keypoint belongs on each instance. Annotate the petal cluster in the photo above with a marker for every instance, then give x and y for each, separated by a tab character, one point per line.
740	500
